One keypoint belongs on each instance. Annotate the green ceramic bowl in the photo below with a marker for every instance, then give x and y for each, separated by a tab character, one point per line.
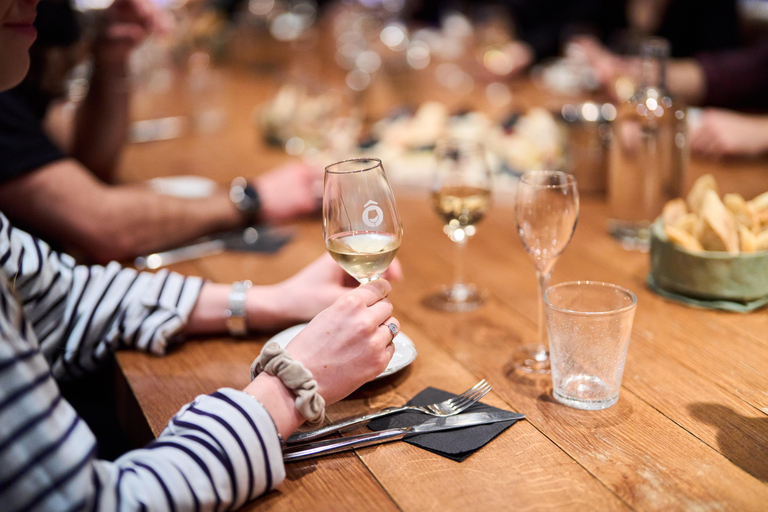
707	275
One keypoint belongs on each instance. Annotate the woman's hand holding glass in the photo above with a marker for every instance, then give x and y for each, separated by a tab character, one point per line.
344	346
305	294
348	343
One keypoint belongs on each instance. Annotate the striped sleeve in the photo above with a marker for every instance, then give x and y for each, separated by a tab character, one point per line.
80	314
217	453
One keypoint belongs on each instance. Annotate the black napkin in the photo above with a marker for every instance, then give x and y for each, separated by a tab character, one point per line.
454	444
269	239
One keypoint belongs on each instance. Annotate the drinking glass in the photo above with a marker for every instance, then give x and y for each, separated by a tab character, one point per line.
361	225
546	211
461	194
589	326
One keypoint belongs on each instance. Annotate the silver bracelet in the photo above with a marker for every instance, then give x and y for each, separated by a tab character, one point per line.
277	362
236	315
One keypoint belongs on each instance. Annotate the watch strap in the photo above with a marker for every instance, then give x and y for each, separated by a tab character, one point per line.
246	198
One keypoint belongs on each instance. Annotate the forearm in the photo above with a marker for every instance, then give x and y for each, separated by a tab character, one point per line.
63	202
101	123
143	221
264	309
279	401
209	316
81	314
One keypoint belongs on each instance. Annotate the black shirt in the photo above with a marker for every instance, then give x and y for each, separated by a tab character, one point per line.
24	145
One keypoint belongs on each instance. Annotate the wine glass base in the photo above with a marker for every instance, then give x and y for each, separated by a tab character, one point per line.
456	298
531	359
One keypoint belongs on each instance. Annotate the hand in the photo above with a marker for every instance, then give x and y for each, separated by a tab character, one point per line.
304	295
125	24
290	191
725	133
517	57
348	344
345	346
607	66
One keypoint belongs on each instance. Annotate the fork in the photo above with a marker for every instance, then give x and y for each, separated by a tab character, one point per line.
448	407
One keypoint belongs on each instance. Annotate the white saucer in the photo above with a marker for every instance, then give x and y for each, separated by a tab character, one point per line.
405	351
190	187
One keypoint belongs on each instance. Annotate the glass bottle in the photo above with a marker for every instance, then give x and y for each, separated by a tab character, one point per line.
648	152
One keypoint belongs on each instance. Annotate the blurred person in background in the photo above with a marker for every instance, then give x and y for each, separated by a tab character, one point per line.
730	78
60	185
542	30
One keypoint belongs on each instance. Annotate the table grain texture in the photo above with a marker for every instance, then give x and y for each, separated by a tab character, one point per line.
690	429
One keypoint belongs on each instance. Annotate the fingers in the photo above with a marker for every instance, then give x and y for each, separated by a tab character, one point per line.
374	291
381	311
144	14
392	328
395	271
129	33
389	352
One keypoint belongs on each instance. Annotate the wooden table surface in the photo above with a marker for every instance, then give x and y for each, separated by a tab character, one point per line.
690	429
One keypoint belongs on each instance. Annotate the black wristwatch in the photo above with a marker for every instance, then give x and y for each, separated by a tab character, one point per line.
246	199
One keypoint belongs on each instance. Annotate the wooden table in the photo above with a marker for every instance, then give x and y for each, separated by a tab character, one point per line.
689	432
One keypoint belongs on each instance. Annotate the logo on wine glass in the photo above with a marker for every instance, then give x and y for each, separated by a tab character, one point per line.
371	207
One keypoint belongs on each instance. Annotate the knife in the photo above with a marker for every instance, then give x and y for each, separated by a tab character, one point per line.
261	239
308	450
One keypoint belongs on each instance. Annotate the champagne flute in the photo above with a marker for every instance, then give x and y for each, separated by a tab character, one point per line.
546	211
361	225
461	194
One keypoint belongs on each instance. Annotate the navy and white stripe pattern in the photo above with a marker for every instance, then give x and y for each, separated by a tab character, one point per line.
59	320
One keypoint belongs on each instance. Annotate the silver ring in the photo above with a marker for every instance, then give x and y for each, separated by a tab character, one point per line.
393	329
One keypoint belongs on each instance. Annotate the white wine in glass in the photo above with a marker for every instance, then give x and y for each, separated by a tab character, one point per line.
546	211
361	225
461	195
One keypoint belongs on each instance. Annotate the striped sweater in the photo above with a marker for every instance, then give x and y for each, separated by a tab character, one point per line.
58	321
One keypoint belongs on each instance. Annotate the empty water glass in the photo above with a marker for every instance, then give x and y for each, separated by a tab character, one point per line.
589	326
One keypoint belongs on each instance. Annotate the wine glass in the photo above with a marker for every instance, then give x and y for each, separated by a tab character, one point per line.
361	225
546	211
461	194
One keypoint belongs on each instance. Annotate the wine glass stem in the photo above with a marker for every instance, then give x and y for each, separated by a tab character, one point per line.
458	267
543	278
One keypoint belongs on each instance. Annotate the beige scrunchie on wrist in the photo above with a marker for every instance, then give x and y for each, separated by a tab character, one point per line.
279	363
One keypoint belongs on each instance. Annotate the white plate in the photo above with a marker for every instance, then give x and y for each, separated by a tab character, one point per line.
405	351
189	187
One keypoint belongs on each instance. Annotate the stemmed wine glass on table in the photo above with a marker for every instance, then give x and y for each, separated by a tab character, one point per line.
461	195
361	224
546	211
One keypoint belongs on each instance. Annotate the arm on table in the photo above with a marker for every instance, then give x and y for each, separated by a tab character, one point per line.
222	449
727	133
101	123
65	203
344	333
685	77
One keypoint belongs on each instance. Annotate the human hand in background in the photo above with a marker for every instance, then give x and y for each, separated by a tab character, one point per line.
290	191
607	66
720	132
507	61
123	26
